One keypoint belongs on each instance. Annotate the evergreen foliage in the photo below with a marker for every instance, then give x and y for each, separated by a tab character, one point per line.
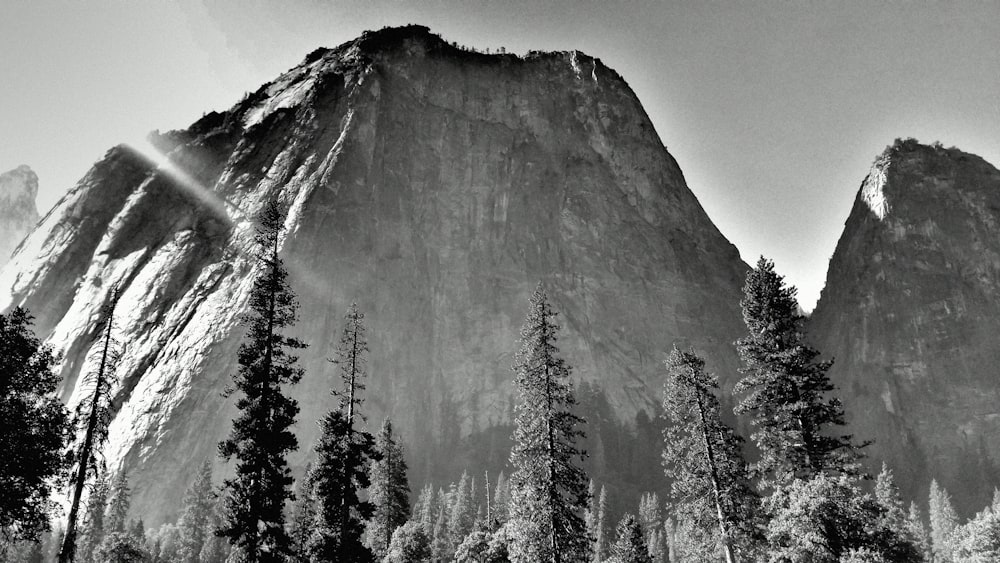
389	492
343	457
827	519
92	532
944	520
461	513
119	501
261	436
785	389
702	456
630	545
548	489
199	502
121	547
409	544
34	429
918	532
303	517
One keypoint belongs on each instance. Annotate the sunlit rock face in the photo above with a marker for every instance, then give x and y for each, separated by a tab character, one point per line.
433	186
911	314
18	214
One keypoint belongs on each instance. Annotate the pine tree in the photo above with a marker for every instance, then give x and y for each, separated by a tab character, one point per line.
460	513
630	545
918	532
344	455
887	494
92	419
501	501
549	490
389	492
303	516
261	436
423	511
92	533
199	500
651	519
34	429
785	389
409	544
702	455
118	504
943	523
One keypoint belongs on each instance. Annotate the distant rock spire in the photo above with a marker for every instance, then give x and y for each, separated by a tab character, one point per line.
18	214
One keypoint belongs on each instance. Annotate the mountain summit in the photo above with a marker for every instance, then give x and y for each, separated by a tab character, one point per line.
435	187
910	314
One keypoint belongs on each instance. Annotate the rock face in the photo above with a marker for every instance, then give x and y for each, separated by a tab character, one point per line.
18	214
910	313
433	186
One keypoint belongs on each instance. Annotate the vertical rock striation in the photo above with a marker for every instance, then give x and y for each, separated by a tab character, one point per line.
18	214
433	186
911	316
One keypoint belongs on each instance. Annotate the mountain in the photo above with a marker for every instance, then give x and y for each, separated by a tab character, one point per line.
911	316
435	187
18	214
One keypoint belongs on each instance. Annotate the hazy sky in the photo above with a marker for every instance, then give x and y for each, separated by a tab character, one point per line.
774	110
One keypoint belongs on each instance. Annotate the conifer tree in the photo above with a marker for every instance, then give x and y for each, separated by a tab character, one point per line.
389	492
785	389
630	545
34	429
92	419
409	544
651	519
702	455
199	500
261	437
460	513
303	516
93	528
887	494
344	454
501	501
944	520
119	501
918	532
423	510
549	490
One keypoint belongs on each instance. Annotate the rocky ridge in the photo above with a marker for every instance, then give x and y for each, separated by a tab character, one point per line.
433	186
911	316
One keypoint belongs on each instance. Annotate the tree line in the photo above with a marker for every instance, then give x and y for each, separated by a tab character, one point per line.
803	498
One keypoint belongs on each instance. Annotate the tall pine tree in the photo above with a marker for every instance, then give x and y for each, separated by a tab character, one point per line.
702	455
944	521
785	389
630	545
93	527
344	454
34	429
261	437
119	502
389	492
92	419
548	488
199	501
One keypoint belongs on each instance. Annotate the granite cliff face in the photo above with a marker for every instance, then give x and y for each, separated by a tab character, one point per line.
18	214
910	313
433	186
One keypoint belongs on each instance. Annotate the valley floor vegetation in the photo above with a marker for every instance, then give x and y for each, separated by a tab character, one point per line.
804	498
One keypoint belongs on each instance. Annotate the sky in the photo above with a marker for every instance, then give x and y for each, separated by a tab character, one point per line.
773	109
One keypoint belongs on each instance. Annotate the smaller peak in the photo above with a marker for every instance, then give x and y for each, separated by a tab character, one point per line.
390	38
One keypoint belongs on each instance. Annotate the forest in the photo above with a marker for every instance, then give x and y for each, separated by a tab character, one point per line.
793	491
